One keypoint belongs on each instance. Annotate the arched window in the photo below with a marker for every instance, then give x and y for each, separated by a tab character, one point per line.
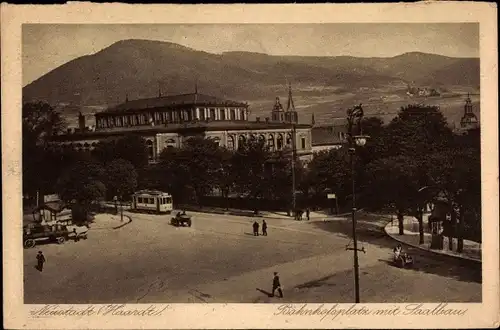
270	142
279	142
262	138
230	142
217	140
289	139
149	145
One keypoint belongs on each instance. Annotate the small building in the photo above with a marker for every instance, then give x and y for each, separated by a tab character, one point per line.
52	211
329	137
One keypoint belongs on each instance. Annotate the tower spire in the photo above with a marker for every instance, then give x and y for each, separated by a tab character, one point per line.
196	86
126	97
159	89
291	105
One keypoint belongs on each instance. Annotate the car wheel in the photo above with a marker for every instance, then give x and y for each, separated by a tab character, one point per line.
60	240
29	243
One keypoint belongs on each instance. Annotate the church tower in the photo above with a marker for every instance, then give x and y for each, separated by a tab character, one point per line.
291	115
278	113
469	119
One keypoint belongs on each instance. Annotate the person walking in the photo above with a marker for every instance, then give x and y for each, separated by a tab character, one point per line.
277	285
307	213
255	228
40	258
264	228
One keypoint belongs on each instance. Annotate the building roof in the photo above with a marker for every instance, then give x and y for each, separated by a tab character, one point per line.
327	135
55	206
151	192
217	125
173	100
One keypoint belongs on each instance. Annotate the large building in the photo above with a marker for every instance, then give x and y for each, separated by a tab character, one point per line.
168	121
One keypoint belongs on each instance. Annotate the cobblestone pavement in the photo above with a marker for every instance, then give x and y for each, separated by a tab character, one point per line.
219	260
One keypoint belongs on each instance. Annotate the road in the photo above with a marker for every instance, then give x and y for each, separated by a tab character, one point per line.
219	260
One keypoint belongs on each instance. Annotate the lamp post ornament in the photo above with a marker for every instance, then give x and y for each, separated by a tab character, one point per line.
354	117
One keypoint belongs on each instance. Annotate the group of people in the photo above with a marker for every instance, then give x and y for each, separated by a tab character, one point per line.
299	213
256	228
399	256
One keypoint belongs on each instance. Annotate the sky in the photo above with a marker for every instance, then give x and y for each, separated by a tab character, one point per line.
47	46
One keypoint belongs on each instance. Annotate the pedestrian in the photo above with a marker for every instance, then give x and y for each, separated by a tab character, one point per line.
264	228
255	228
277	285
307	213
40	258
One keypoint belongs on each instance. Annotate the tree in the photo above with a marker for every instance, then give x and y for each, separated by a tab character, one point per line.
457	173
196	166
40	122
329	171
82	184
249	166
417	130
394	181
121	178
132	148
225	175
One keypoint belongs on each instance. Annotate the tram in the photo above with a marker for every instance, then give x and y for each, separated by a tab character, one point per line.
152	201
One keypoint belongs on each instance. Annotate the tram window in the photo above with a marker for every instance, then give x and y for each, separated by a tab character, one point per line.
169	200
139	199
151	201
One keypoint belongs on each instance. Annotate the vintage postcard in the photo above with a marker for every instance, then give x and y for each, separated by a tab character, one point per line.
250	166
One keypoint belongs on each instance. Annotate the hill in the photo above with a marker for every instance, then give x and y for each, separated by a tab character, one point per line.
137	68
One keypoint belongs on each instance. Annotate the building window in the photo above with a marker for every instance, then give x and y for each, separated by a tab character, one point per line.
217	140
289	139
270	142
242	114
170	143
233	114
279	142
212	114
202	114
230	142
222	114
303	142
149	145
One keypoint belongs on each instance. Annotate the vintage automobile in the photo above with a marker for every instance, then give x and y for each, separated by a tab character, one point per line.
181	220
34	233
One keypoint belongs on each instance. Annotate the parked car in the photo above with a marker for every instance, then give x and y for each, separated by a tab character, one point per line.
34	233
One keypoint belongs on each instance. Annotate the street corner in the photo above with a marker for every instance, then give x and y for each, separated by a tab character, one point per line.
110	221
471	250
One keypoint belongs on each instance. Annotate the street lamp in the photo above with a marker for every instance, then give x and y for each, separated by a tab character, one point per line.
354	117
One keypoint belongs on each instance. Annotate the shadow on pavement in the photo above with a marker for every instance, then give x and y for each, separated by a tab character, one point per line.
370	229
269	294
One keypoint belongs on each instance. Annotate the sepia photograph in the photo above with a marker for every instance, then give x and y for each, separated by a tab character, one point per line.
257	163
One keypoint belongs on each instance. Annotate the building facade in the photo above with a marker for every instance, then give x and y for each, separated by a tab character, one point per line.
168	121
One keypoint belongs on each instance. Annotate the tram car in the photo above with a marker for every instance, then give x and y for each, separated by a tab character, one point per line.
152	201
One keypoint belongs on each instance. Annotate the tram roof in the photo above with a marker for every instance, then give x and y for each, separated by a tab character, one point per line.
151	192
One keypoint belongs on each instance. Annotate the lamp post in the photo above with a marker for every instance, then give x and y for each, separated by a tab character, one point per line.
354	117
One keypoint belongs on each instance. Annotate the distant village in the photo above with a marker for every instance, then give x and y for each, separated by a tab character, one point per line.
418	91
